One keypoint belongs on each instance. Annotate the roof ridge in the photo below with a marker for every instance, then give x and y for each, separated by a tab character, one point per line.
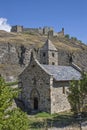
42	67
48	45
76	67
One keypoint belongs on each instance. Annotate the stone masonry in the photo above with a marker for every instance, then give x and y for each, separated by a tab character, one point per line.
48	54
17	28
36	85
43	31
45	84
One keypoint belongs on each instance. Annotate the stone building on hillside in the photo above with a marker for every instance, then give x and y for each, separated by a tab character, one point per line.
42	31
17	28
48	54
45	84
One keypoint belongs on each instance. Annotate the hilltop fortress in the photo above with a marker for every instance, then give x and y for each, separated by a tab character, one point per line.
43	31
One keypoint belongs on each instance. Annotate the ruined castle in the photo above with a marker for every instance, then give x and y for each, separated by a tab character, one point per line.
43	31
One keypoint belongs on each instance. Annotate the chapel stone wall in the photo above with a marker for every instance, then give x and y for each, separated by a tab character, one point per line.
37	80
59	101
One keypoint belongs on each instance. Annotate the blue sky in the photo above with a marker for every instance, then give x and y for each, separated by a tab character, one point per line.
70	14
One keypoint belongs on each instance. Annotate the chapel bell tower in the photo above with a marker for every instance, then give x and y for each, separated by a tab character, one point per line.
48	54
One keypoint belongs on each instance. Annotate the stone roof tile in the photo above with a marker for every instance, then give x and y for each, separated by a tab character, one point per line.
63	73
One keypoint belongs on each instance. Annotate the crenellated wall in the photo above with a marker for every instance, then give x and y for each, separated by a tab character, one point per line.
43	31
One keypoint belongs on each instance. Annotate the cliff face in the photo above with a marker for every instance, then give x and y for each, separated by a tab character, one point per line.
15	50
13	59
13	54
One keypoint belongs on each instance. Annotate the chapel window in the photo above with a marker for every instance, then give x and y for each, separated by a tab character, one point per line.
52	54
44	63
34	81
44	54
63	90
53	63
33	65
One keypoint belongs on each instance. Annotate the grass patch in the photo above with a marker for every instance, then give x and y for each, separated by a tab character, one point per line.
47	115
11	83
43	115
45	120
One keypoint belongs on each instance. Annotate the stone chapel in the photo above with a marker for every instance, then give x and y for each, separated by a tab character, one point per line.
45	84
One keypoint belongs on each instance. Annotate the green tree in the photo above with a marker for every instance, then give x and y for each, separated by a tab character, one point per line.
77	94
10	118
67	36
74	38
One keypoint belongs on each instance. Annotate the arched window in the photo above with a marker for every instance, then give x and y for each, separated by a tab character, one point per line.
53	63
53	54
63	90
44	54
34	81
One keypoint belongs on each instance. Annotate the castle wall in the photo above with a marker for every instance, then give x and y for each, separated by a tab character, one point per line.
17	28
51	33
59	101
31	30
46	30
43	31
61	33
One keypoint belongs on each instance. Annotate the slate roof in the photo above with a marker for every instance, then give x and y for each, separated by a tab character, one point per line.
63	73
48	46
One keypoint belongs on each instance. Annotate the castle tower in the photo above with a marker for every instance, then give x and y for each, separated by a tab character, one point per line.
17	28
48	54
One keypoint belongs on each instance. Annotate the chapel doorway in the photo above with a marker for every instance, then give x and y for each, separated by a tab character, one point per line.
35	103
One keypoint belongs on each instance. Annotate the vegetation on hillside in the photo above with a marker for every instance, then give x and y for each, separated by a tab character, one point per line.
11	118
77	95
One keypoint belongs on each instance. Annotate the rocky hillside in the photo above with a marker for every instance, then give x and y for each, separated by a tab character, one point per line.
15	50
